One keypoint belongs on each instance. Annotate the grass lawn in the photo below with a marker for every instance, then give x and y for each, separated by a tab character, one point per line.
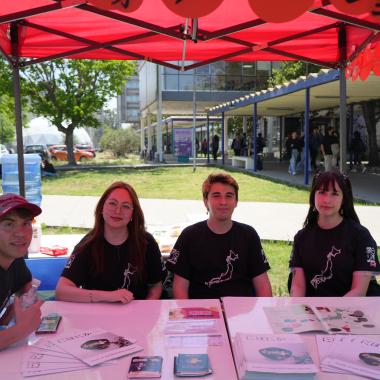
168	183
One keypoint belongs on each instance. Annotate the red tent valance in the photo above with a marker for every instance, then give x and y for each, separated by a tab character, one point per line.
49	29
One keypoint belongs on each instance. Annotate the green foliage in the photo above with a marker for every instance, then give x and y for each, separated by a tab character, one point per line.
120	141
7	119
291	70
71	92
7	104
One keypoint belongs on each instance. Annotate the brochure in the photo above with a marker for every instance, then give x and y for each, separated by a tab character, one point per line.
357	355
204	326
96	345
192	365
267	355
298	318
191	313
145	367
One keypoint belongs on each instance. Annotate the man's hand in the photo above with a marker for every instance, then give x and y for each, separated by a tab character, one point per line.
29	319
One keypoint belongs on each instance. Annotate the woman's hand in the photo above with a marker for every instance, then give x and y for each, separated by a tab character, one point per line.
120	295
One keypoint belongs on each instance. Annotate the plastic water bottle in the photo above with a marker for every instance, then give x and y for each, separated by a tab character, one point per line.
35	243
32	169
30	297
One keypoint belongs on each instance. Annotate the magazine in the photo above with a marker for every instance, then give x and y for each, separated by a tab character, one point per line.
358	355
298	318
96	345
266	355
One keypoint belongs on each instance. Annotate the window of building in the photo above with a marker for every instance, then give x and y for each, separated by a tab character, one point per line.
171	82
186	83
202	83
233	83
218	83
205	70
217	68
233	68
263	68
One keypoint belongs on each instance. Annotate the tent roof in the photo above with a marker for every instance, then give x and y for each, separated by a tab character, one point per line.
76	29
289	98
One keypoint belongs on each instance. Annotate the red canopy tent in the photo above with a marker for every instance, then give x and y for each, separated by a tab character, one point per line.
49	29
32	31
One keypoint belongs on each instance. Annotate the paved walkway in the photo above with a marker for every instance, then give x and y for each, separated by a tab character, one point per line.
273	221
164	218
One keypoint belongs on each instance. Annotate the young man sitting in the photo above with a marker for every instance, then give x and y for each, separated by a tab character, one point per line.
219	257
16	215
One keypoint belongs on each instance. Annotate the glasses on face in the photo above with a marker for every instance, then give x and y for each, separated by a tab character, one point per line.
113	205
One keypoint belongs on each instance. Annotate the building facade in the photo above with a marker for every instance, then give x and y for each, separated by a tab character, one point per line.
167	92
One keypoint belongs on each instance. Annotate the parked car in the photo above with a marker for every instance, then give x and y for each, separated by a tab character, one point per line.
39	149
59	153
87	148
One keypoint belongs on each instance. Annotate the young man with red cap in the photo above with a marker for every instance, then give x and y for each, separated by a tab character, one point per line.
16	215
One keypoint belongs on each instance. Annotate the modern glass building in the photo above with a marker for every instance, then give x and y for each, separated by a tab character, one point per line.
167	92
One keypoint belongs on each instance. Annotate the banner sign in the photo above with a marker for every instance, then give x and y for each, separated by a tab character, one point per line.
276	11
183	138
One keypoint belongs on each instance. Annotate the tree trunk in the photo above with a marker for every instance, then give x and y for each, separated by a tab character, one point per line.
369	113
69	140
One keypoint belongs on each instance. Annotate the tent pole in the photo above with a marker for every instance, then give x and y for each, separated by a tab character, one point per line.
343	99
222	131
306	131
208	138
194	127
18	110
254	137
343	120
159	116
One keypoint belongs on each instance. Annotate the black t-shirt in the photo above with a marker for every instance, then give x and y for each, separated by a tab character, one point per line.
329	257
218	265
119	272
13	280
327	141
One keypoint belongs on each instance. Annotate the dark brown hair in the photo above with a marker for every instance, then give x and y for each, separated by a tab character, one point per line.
322	181
137	241
223	178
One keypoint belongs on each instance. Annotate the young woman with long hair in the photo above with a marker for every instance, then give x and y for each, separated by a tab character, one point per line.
333	255
118	260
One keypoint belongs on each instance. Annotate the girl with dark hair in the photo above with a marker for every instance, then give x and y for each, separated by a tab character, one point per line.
118	260
333	255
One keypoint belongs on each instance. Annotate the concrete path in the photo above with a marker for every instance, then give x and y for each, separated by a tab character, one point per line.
273	221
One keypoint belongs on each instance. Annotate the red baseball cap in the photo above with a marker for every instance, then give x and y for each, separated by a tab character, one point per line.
10	202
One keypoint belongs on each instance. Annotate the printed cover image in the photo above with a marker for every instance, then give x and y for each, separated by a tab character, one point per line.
298	318
272	353
211	312
145	366
342	320
96	346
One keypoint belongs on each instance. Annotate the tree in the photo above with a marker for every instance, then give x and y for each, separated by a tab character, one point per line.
7	105
120	141
7	119
70	93
291	70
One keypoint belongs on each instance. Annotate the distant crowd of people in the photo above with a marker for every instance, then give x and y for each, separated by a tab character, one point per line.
322	146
